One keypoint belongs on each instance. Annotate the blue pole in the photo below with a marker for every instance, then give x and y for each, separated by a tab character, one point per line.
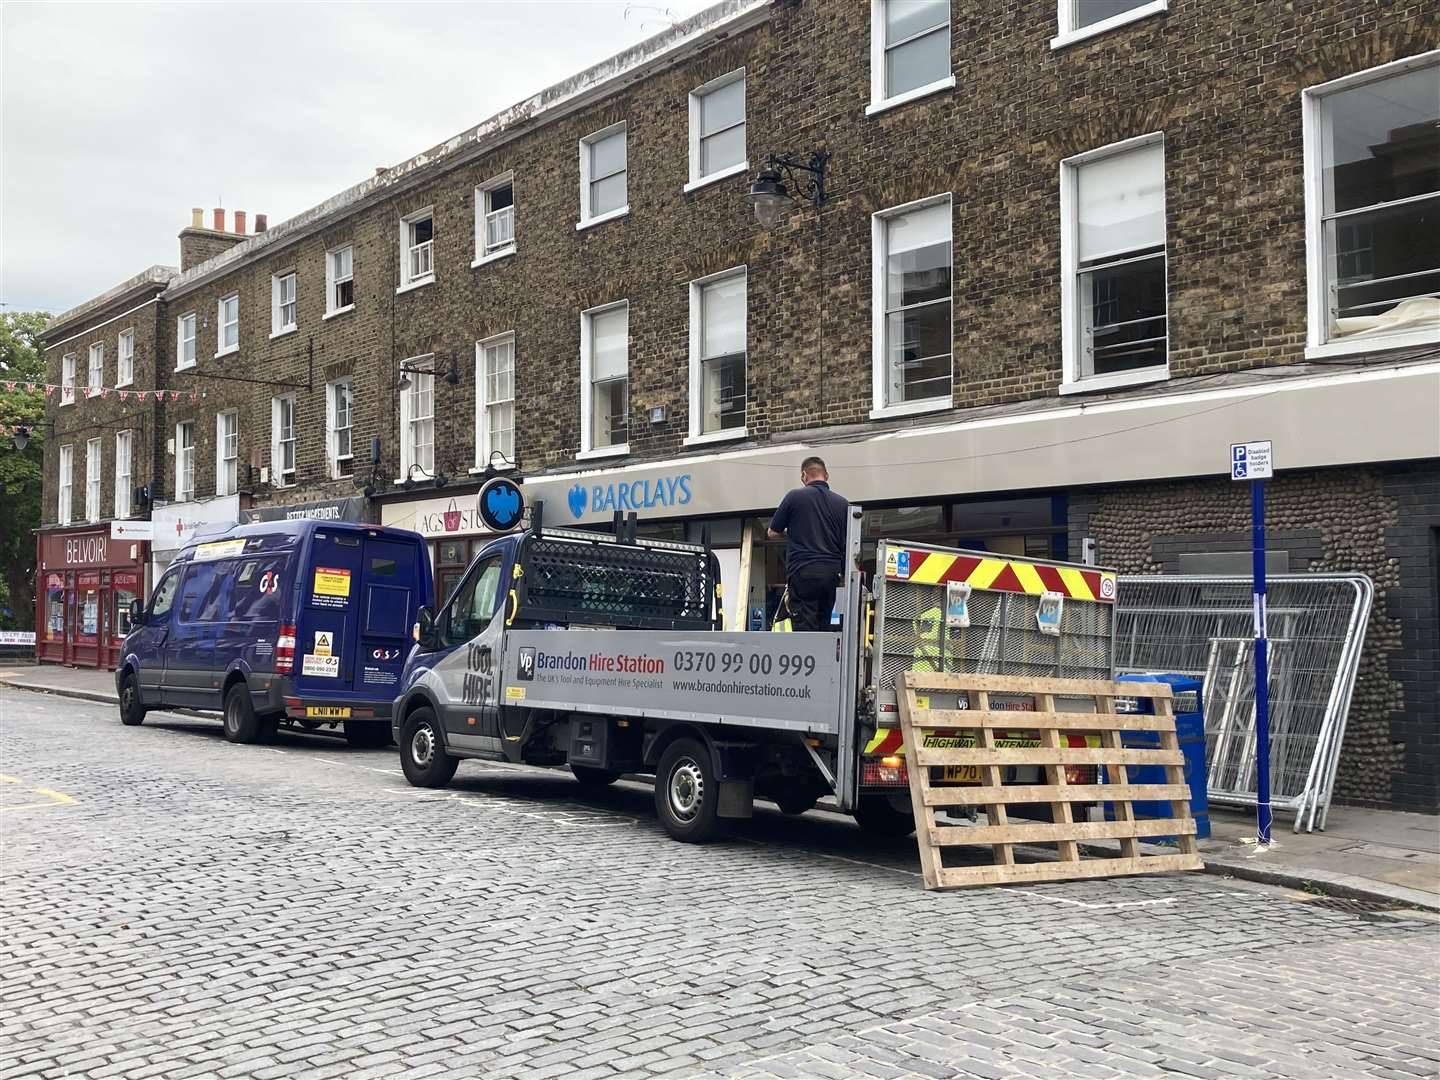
1262	665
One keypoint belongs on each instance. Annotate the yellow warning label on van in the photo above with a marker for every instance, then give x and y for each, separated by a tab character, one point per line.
515	693
323	639
331	582
219	549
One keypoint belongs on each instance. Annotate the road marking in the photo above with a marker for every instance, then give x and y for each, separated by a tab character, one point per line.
51	797
9	779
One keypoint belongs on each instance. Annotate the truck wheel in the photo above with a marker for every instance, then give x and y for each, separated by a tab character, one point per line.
422	751
591	777
876	817
687	792
367	734
241	723
132	713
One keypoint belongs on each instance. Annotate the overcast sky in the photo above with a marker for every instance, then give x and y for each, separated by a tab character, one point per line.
119	117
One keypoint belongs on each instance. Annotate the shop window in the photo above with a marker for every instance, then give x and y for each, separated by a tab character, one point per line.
54	607
126	588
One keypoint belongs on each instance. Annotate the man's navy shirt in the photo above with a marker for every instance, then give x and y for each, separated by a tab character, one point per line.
813	520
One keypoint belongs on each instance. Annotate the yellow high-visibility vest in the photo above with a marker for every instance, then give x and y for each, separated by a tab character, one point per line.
928	628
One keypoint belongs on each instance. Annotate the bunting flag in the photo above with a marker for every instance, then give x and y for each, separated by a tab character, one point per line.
89	393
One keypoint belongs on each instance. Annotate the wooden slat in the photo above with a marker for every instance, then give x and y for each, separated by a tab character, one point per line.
1024	685
1041	755
951	876
1059	808
978	795
963	719
995	813
1170	740
1045	833
919	784
1124	810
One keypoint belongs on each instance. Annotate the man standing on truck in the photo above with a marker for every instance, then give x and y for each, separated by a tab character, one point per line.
811	519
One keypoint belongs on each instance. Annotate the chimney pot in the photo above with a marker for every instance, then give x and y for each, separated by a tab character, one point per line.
197	217
381	170
219	219
260	223
240	222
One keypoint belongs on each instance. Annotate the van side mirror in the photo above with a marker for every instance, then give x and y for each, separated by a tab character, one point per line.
137	612
425	631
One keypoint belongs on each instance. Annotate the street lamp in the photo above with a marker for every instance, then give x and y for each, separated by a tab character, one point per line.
769	193
21	438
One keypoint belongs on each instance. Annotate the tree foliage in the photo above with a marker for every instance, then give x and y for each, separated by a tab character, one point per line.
20	470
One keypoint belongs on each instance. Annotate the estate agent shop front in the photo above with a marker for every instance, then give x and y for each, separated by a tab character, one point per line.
86	580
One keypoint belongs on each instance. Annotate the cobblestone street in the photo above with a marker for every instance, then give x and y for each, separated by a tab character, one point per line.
177	906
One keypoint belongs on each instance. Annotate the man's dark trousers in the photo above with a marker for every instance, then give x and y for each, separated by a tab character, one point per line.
812	595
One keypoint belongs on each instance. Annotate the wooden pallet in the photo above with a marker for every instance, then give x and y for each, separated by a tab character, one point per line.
1051	728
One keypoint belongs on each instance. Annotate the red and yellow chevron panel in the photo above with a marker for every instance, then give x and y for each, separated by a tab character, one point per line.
1005	575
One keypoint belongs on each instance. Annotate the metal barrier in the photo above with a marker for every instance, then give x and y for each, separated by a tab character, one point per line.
1203	626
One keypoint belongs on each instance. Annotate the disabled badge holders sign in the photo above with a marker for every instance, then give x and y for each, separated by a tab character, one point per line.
1251	461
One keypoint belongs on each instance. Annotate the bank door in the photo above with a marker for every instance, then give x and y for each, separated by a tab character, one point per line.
470	627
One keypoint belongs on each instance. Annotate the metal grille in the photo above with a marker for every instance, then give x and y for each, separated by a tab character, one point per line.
1003	637
607	581
1203	626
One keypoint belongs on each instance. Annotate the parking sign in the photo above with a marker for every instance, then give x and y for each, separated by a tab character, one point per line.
1251	461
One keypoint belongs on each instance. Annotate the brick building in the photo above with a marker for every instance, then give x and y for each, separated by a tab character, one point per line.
1066	254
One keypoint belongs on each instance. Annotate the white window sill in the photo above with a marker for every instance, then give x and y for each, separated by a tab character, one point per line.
122	385
283	331
609	215
912	408
947	83
716	177
338	311
1362	343
479	470
411	286
66	404
185	367
494	256
1116	381
728	435
603	452
1069	37
227	352
425	478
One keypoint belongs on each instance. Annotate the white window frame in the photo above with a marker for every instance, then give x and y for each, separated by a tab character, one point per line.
483	253
697	96
184	461
65	485
483	404
697	375
68	363
221	349
223	462
333	282
125	358
181	340
95	367
332	428
586	220
407	451
280	477
124	462
1072	382
407	281
93	478
878	353
1068	33
278	325
587	405
878	101
1317	308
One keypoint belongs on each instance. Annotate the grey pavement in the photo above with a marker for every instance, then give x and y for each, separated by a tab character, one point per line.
175	906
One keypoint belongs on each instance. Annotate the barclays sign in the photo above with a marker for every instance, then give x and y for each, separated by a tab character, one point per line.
655	493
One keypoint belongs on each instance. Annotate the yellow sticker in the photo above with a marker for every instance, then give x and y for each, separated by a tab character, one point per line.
331	582
515	693
922	701
219	549
322	642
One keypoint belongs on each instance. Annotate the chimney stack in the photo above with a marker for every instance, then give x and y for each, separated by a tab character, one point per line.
219	219
381	170
239	222
260	223
197	217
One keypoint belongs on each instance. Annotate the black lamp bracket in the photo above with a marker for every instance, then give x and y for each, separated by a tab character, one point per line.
810	181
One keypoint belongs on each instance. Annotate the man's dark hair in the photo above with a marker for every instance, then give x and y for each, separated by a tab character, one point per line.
813	464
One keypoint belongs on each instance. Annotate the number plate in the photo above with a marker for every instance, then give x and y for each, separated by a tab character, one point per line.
962	774
328	712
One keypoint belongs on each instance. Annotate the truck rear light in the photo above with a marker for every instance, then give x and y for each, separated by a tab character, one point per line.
285	650
1080	774
888	771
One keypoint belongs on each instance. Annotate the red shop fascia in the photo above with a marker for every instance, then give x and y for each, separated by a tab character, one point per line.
83	591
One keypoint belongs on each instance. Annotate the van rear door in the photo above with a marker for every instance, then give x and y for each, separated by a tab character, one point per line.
390	594
325	634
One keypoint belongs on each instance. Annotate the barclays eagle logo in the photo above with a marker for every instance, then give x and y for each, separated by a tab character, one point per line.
503	502
576	498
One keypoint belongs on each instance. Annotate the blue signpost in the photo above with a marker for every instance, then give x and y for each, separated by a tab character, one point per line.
1254	462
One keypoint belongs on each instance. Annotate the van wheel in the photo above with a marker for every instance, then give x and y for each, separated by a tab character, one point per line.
877	817
591	777
687	792
241	723
132	713
422	751
367	734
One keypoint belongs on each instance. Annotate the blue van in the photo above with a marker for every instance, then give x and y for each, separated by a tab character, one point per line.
288	620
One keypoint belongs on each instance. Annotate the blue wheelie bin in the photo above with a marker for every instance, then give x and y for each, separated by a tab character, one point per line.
1189	711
